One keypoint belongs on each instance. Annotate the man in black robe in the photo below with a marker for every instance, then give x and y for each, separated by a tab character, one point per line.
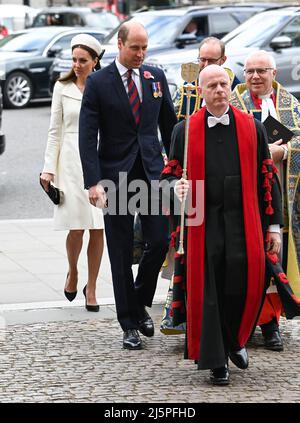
224	271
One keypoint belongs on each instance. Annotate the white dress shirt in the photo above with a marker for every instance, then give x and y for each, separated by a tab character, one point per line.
135	76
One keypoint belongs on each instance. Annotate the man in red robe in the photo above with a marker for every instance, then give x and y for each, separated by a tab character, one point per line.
224	266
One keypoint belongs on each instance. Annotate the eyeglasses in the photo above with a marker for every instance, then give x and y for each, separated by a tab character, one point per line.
259	71
209	61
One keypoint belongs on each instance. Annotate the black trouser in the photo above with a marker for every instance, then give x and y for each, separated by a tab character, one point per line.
130	295
225	271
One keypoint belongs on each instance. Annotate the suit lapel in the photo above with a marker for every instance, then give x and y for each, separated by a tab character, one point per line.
146	89
119	90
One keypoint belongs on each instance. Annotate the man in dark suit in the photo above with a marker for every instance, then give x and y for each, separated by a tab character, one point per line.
124	104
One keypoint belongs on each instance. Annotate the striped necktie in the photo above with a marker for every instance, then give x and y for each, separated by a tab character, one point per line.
134	98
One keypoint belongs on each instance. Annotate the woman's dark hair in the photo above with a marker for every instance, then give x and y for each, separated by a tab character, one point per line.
70	76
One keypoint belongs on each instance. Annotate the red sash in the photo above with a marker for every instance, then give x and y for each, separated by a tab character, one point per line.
247	145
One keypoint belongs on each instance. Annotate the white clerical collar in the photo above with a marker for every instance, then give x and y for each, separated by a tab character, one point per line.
226	111
123	70
267	107
264	96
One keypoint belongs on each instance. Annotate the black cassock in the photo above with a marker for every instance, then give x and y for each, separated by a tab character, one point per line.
225	247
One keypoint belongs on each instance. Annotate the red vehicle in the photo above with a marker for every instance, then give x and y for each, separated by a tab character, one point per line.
123	8
3	31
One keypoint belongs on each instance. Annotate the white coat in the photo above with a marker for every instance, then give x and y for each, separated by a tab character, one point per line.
63	160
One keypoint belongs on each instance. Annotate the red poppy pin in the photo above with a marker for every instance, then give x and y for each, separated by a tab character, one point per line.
148	75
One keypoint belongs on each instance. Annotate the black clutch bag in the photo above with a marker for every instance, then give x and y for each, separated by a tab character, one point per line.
277	130
55	194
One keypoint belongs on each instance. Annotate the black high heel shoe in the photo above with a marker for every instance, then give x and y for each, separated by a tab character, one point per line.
88	306
69	295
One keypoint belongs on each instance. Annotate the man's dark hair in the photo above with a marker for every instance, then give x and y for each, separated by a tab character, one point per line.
123	33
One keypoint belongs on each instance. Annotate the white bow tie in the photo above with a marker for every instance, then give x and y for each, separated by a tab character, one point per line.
212	120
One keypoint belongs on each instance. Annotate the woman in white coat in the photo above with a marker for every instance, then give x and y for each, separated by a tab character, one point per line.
63	166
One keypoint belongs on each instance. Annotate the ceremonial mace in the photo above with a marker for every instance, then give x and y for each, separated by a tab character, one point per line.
189	73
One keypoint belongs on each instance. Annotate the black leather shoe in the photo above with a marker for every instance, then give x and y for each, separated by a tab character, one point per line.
146	325
273	341
239	358
132	340
219	376
90	307
69	295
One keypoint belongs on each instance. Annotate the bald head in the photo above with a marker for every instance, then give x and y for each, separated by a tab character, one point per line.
132	44
131	27
261	56
214	87
212	71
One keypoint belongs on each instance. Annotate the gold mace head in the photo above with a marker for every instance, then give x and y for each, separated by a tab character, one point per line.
189	71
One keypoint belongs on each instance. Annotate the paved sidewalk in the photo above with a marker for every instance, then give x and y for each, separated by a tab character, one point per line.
83	361
33	267
55	351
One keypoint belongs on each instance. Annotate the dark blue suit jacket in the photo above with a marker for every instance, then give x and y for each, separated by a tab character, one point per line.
105	108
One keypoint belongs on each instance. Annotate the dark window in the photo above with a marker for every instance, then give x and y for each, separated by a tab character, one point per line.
48	19
197	26
71	19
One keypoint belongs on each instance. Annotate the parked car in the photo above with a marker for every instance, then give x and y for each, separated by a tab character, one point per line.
125	8
167	30
25	59
77	16
2	136
277	31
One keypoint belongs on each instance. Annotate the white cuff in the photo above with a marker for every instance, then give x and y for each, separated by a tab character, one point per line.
274	228
285	154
